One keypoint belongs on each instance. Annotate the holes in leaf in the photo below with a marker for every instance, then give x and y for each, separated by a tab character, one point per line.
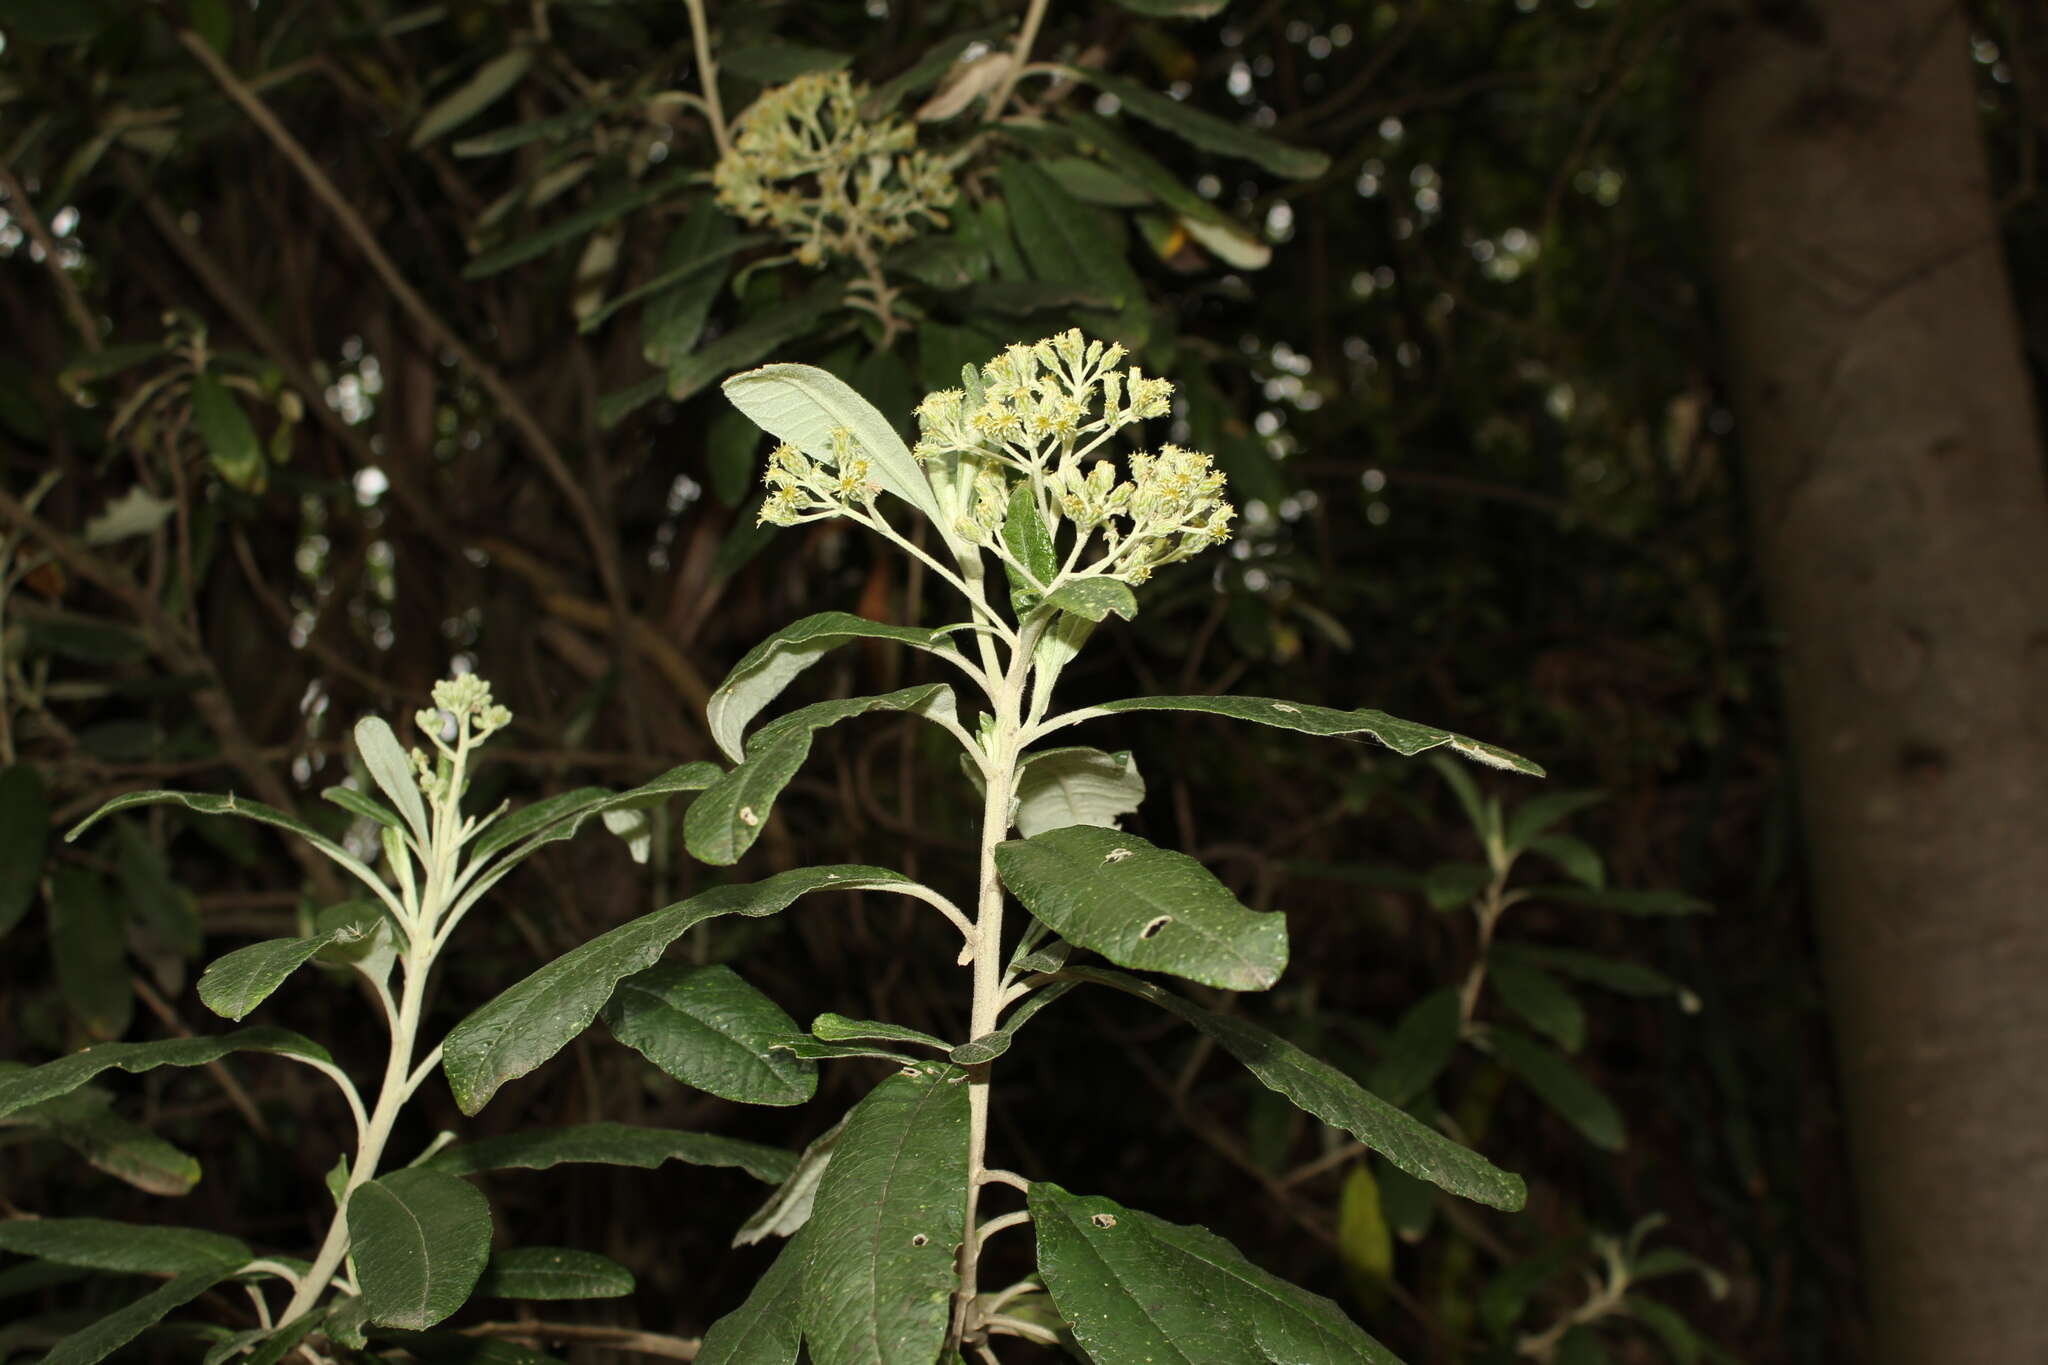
919	1240
1116	855
748	818
1283	706
1155	926
1104	1220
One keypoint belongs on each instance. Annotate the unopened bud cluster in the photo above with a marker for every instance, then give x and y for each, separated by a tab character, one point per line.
462	712
805	163
803	488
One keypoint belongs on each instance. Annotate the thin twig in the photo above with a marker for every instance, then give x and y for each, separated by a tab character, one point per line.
707	75
1026	37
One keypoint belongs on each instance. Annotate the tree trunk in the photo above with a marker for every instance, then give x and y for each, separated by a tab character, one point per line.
1900	515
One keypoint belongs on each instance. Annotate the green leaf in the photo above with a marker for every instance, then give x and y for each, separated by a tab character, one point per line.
789	1208
811	1050
1078	786
553	1273
85	1121
1205	130
239	982
837	1028
20	1089
535	1019
490	83
1622	902
1175	9
769	667
1094	183
355	803
684	286
1143	907
1451	885
995	1043
419	1239
90	943
753	339
723	824
804	405
878	1279
1030	544
560	816
1422	1046
1093	599
1559	1085
1227	242
1062	238
24	841
391	769
605	209
708	1028
157	905
768	1328
1138	1290
939	262
1578	858
207	804
777	61
924	72
614	408
1334	1098
129	1248
95	1343
1539	813
1623	978
1542	1001
1404	737
611	1144
231	444
1680	1342
517	135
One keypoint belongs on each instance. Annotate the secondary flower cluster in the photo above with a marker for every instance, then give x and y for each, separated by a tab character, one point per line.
801	488
804	162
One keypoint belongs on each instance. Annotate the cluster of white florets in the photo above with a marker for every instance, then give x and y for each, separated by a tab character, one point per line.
803	488
805	163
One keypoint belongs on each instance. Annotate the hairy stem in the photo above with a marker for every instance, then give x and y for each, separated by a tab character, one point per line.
707	75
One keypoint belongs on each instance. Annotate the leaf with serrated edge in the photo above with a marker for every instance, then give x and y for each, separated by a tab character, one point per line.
1143	907
1078	786
768	1328
419	1240
723	823
535	1019
89	1345
612	1144
804	405
553	1273
708	1028
878	1280
1333	1097
1138	1290
22	1088
129	1248
1404	737
769	667
234	984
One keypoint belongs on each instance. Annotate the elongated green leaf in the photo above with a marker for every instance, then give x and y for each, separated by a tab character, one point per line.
684	286
769	667
20	1089
393	773
1227	242
777	61
132	1248
789	1208
85	1121
1542	1001
708	1028
576	225
518	135
837	1028
490	83
1205	130
239	982
1175	9
1623	978
1094	183
1029	544
90	944
1580	860
612	1144
995	1043
1334	1097
877	1285
1094	599
1138	166
277	1344
1422	1046
537	1018
804	405
1404	737
355	803
1622	902
24	840
1143	907
1138	1290
1539	813
560	816
156	904
723	824
811	1050
1559	1085
1062	238
205	803
768	1328
553	1273
231	444
751	340
1078	786
419	1239
90	1345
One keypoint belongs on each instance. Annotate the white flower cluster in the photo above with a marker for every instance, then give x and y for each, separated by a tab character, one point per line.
804	162
1043	411
464	705
801	488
